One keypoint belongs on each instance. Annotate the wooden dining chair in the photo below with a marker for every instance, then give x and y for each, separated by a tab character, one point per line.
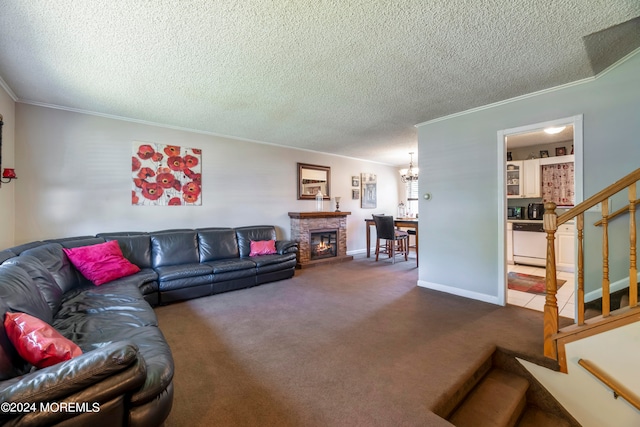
396	241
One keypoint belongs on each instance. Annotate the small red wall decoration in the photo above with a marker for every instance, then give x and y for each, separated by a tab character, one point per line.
166	175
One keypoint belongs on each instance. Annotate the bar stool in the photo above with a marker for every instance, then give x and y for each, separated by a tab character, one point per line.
396	241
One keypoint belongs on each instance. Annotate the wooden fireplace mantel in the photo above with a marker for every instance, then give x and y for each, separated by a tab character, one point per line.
303	223
317	214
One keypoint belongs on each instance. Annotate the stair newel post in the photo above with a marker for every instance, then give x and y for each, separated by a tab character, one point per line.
633	269
550	223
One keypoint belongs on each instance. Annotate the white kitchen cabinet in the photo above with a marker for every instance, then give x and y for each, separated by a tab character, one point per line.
523	179
509	243
565	247
531	183
514	179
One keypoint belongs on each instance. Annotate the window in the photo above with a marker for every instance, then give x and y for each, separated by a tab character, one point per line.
411	194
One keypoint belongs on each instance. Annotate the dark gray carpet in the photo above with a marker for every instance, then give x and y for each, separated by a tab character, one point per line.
352	344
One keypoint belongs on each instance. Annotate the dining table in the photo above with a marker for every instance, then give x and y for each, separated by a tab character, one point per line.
411	223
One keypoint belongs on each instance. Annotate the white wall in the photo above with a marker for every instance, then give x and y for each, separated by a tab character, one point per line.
459	166
7	191
591	402
75	179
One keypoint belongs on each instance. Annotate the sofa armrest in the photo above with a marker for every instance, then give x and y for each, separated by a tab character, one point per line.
286	246
71	376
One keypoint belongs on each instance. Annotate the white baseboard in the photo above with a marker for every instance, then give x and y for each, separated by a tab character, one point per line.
459	292
360	251
613	287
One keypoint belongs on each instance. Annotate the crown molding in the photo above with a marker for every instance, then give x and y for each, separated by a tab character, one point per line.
7	89
184	129
534	94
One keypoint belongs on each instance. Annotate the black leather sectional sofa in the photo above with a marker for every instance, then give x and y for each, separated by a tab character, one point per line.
126	367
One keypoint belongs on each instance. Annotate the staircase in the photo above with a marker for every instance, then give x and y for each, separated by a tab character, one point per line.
610	313
500	392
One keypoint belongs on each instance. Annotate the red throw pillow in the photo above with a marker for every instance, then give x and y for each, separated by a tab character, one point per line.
101	263
37	342
263	247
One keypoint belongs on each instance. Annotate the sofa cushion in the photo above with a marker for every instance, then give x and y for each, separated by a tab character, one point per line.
5	255
264	260
52	256
93	315
257	232
229	265
38	342
217	243
262	247
21	248
172	272
20	293
45	282
174	248
136	248
79	241
101	263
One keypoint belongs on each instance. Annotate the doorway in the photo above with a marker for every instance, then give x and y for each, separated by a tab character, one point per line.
515	146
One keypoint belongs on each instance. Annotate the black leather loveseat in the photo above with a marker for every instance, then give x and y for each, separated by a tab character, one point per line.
126	369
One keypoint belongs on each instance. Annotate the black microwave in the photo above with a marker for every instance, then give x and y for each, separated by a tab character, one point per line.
515	212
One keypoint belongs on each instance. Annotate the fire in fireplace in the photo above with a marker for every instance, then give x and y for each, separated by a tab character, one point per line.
323	243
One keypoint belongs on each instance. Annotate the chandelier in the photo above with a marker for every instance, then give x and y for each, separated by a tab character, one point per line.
411	174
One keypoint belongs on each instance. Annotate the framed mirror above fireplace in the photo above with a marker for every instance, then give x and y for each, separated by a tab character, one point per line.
313	178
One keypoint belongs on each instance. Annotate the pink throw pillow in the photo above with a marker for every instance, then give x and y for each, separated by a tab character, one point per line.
101	263
263	247
37	342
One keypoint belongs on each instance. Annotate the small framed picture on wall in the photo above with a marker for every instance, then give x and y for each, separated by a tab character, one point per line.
355	181
544	153
355	194
561	151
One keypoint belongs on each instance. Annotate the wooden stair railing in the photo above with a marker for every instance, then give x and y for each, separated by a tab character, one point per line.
554	337
618	389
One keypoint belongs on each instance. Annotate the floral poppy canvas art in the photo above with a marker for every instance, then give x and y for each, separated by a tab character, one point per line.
166	175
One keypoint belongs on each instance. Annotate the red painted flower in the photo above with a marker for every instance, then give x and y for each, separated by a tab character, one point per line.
145	152
172	150
195	177
157	157
165	180
177	185
134	198
191	188
175	163
138	182
190	198
163	170
175	201
151	190
190	161
196	151
146	173
135	164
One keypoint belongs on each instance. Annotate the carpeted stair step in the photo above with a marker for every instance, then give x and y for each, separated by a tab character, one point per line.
498	400
535	417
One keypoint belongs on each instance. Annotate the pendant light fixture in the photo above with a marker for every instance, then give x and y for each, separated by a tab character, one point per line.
411	174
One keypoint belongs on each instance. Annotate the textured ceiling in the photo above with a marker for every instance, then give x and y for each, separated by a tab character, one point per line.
346	77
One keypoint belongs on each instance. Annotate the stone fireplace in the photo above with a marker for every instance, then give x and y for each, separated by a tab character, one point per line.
321	237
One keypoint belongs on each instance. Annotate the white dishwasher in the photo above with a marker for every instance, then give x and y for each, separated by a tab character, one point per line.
529	243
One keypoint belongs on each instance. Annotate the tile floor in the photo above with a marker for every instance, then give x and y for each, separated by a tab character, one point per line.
565	295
